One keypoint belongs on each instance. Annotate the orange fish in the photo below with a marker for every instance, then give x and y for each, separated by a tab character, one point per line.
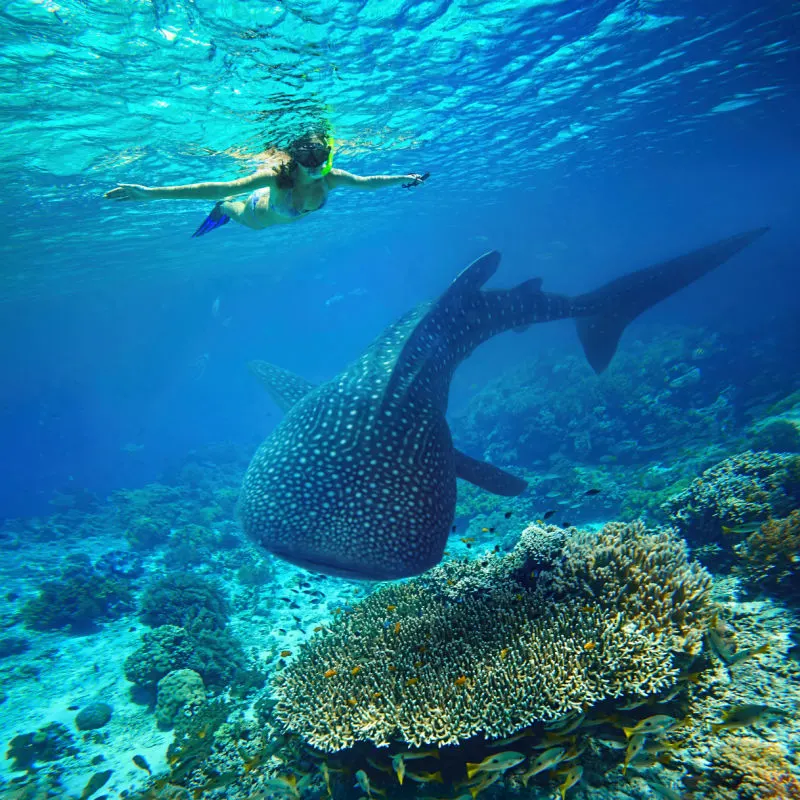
330	673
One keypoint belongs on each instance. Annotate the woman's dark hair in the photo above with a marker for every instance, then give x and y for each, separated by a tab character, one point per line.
288	169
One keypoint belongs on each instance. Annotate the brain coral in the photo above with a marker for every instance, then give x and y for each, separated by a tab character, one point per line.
611	616
744	488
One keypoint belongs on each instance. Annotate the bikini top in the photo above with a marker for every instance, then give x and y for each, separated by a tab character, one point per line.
286	207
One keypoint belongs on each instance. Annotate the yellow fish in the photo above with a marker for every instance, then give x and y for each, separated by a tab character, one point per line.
658	723
570	779
499	762
546	760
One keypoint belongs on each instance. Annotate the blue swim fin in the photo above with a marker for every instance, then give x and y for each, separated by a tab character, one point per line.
214	220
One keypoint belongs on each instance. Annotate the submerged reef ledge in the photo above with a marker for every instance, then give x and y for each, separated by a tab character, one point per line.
563	622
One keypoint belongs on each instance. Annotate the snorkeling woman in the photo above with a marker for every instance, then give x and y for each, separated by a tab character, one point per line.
295	183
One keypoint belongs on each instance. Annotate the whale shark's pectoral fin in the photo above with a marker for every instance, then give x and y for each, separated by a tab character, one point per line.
284	387
489	477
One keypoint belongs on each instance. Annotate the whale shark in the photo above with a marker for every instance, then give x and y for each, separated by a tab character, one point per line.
359	477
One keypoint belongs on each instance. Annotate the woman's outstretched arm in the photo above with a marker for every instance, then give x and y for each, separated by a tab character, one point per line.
339	178
214	190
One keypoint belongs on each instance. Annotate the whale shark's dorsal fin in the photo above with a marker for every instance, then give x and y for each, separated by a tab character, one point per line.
284	387
488	477
426	340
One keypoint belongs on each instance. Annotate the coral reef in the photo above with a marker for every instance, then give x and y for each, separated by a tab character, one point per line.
652	400
191	615
50	743
78	599
179	692
744	488
748	768
770	556
187	600
163	650
613	617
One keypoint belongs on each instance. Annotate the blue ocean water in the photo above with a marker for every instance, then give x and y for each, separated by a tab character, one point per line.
582	140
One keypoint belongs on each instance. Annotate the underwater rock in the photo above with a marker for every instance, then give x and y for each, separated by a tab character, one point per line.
179	692
13	646
779	434
93	716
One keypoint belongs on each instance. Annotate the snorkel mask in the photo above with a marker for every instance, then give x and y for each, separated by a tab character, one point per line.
318	170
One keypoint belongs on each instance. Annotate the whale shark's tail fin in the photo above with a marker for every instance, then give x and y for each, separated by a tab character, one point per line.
602	315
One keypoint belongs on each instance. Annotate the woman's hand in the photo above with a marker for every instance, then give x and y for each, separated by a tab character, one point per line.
130	191
415	180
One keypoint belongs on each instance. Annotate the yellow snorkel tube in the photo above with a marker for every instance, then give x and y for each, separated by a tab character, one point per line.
329	163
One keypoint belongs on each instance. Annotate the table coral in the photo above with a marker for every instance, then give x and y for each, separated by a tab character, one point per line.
613	617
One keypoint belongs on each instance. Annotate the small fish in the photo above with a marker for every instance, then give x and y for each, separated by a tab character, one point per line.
396	628
591	492
566	524
749	714
499	762
284	784
611	741
589	646
468	539
355	670
635	746
412	681
504	652
546	760
750	527
661	790
425	777
413	755
330	673
484	530
548	514
491	530
97	781
507	515
743	655
629	705
391	607
460	680
658	723
399	766
510	739
455	528
326	776
574	774
285	653
141	762
487	780
215	307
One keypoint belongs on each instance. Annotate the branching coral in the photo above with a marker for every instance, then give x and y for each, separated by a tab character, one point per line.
743	488
415	663
771	555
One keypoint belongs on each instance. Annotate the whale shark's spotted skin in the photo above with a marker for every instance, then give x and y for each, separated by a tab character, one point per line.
359	479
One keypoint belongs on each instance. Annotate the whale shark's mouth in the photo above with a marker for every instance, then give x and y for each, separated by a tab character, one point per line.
335	567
